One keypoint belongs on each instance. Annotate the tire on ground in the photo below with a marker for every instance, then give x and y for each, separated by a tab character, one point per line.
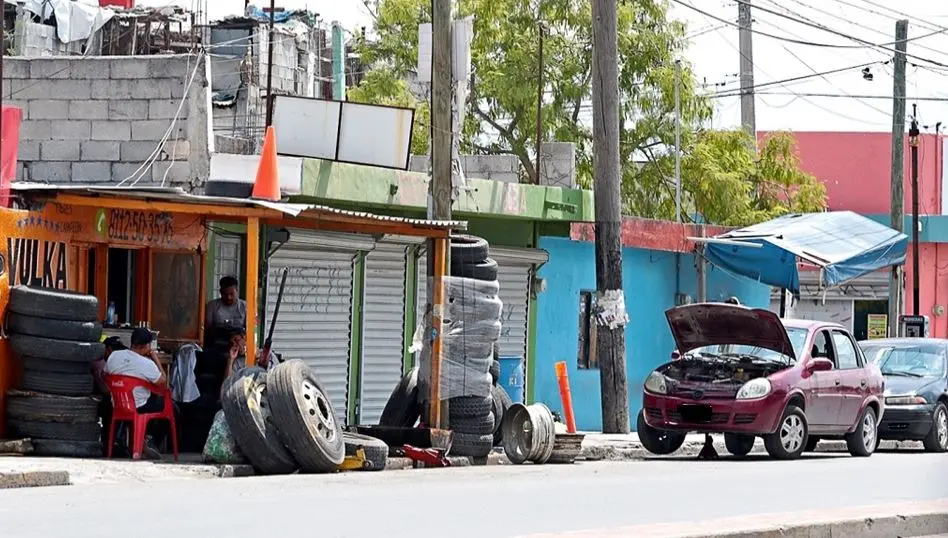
856	442
67	449
53	304
402	409
247	413
773	443
468	249
931	442
59	384
739	444
51	348
471	445
470	406
83	431
54	366
78	331
657	441
501	403
304	416
34	407
375	450
482	425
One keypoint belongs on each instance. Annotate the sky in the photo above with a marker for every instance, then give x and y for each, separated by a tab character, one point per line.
843	45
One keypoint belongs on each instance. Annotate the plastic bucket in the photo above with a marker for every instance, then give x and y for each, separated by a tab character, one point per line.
511	377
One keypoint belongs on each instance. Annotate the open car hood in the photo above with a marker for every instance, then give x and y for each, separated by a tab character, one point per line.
714	324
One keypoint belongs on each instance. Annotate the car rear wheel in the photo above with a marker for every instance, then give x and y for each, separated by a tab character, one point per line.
937	438
862	442
660	442
789	441
739	444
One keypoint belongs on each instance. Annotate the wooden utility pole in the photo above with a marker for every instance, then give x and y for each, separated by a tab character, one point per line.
442	137
913	142
610	340
746	48
896	207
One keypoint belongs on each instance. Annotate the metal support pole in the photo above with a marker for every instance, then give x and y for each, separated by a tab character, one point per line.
270	64
913	142
338	63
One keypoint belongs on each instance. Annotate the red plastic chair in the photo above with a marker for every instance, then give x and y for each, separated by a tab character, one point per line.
124	410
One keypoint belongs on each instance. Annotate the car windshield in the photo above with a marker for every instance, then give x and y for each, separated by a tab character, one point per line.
797	339
907	360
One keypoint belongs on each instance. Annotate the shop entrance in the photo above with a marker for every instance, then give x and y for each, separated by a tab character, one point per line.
861	311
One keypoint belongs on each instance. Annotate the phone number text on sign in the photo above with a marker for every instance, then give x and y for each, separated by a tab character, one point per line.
141	226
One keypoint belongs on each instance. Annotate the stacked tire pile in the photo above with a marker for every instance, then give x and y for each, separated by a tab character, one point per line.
55	335
283	421
472	327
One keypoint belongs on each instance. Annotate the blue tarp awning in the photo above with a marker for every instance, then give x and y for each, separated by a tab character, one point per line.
843	244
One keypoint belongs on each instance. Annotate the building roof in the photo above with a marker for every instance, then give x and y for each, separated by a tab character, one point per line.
178	195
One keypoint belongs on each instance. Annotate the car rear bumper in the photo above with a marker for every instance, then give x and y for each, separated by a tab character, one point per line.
726	415
906	422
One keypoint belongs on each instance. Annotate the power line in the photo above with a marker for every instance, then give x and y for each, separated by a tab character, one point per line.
833	95
897	14
815	74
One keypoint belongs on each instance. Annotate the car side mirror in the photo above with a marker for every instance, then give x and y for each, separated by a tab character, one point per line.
819	365
676	355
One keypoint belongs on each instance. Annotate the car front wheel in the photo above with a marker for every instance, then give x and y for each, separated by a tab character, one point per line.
789	441
739	444
862	442
660	442
937	438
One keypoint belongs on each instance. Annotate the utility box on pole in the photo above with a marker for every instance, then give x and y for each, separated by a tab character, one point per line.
913	326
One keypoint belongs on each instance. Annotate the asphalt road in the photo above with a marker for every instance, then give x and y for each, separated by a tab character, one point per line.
497	501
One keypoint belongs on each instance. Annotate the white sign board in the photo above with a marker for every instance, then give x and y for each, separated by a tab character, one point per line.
462	33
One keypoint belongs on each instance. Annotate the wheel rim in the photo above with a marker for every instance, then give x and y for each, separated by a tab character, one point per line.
941	422
318	411
791	433
869	432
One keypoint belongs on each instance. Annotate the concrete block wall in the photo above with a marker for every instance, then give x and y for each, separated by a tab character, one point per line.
99	119
557	165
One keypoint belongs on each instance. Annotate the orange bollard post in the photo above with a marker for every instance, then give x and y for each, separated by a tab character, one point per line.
563	378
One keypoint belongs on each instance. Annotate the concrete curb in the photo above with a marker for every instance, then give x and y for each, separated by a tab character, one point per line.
34	479
885	521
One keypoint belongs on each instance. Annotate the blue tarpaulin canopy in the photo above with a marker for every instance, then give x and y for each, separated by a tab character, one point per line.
842	244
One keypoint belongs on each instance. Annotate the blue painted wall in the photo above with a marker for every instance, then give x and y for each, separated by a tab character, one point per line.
649	283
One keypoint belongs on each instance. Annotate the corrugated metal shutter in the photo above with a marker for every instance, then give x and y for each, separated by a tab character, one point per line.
874	286
316	314
383	328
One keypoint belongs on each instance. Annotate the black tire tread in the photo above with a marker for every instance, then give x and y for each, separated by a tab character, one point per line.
930	442
77	331
470	406
482	425
51	348
53	304
58	383
262	447
494	371
375	450
501	403
53	366
84	431
402	410
228	189
738	444
651	438
67	449
471	445
485	270
34	407
468	249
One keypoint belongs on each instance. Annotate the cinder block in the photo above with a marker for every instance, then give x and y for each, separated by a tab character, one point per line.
59	150
22	105
100	150
16	67
134	151
156	129
176	149
133	109
90	68
88	110
92	172
71	129
111	130
171	173
129	67
130	171
150	89
111	89
28	150
165	109
47	109
36	130
169	66
508	177
50	172
418	163
68	89
22	172
26	89
50	68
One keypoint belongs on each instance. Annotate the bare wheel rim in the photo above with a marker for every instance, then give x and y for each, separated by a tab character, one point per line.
791	433
318	411
941	422
869	432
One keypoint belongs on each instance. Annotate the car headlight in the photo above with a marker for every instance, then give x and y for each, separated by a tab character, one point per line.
905	400
655	382
753	389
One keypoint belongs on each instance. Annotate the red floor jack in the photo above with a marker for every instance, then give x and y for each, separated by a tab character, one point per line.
430	457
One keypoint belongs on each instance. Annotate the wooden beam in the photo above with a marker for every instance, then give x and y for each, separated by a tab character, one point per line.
252	261
218	211
437	306
102	278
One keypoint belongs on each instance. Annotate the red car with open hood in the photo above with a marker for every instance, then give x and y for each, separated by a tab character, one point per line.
746	373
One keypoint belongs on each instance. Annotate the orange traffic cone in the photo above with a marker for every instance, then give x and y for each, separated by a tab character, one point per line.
267	184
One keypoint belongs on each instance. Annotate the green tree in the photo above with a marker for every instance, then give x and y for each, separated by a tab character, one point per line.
720	175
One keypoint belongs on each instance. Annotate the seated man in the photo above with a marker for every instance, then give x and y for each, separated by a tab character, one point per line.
140	362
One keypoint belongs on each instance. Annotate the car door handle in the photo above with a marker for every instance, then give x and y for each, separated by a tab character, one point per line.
863	382
838	382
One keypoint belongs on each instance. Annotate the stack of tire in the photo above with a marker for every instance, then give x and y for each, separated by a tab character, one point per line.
55	336
474	305
284	421
500	401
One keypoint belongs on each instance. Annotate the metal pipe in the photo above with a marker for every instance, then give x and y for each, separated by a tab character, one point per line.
913	141
270	65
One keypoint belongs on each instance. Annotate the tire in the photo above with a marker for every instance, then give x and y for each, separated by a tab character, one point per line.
862	442
77	331
402	409
738	444
811	443
471	445
793	429
469	406
501	403
247	413
83	431
485	270
480	425
54	366
468	249
58	384
305	418
68	449
228	189
937	438
51	348
376	451
53	304
494	372
33	407
659	442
